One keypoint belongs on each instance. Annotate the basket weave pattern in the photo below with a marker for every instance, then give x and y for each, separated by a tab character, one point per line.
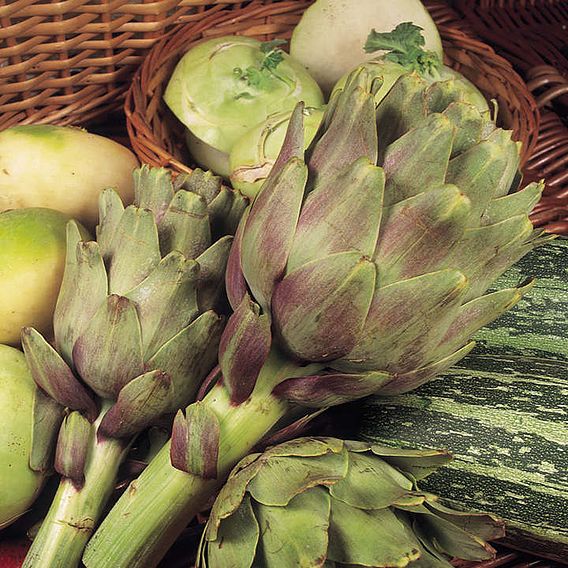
533	35
68	61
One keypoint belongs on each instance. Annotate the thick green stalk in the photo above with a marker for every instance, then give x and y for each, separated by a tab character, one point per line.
157	507
75	511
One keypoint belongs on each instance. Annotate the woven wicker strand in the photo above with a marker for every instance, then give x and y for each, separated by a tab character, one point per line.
533	35
157	137
68	62
550	157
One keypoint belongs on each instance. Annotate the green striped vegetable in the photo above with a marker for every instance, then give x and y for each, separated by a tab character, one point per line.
503	412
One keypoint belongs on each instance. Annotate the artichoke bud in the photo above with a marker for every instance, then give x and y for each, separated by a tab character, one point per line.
374	272
195	441
72	445
346	503
244	348
83	289
109	352
308	303
330	389
189	356
47	418
352	133
139	403
53	376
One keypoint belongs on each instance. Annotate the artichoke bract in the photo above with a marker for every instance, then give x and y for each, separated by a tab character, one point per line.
347	278
224	86
136	332
329	502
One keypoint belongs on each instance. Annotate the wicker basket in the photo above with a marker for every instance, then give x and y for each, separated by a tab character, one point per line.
69	61
532	35
157	137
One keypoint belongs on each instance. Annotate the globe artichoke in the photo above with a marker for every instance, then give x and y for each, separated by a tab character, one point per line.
136	332
347	278
328	502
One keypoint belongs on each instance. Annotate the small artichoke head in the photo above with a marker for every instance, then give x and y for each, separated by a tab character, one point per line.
329	502
136	326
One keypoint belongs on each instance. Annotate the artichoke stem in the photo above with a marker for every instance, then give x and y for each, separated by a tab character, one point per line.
75	511
157	506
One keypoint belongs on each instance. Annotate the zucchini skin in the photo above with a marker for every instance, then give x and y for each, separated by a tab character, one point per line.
503	412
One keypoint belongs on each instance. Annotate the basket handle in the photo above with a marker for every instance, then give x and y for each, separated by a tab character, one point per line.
546	76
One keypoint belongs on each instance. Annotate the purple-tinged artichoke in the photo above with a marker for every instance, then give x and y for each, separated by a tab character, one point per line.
361	267
136	332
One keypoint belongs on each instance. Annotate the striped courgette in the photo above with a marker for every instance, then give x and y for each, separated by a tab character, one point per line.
503	412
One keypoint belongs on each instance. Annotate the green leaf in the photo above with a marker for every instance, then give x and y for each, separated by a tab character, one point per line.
281	478
370	483
236	541
296	535
373	539
405	46
259	77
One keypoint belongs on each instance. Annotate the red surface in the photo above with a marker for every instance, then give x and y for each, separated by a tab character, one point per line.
13	552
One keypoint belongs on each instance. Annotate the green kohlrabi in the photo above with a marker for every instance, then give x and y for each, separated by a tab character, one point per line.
253	156
223	87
